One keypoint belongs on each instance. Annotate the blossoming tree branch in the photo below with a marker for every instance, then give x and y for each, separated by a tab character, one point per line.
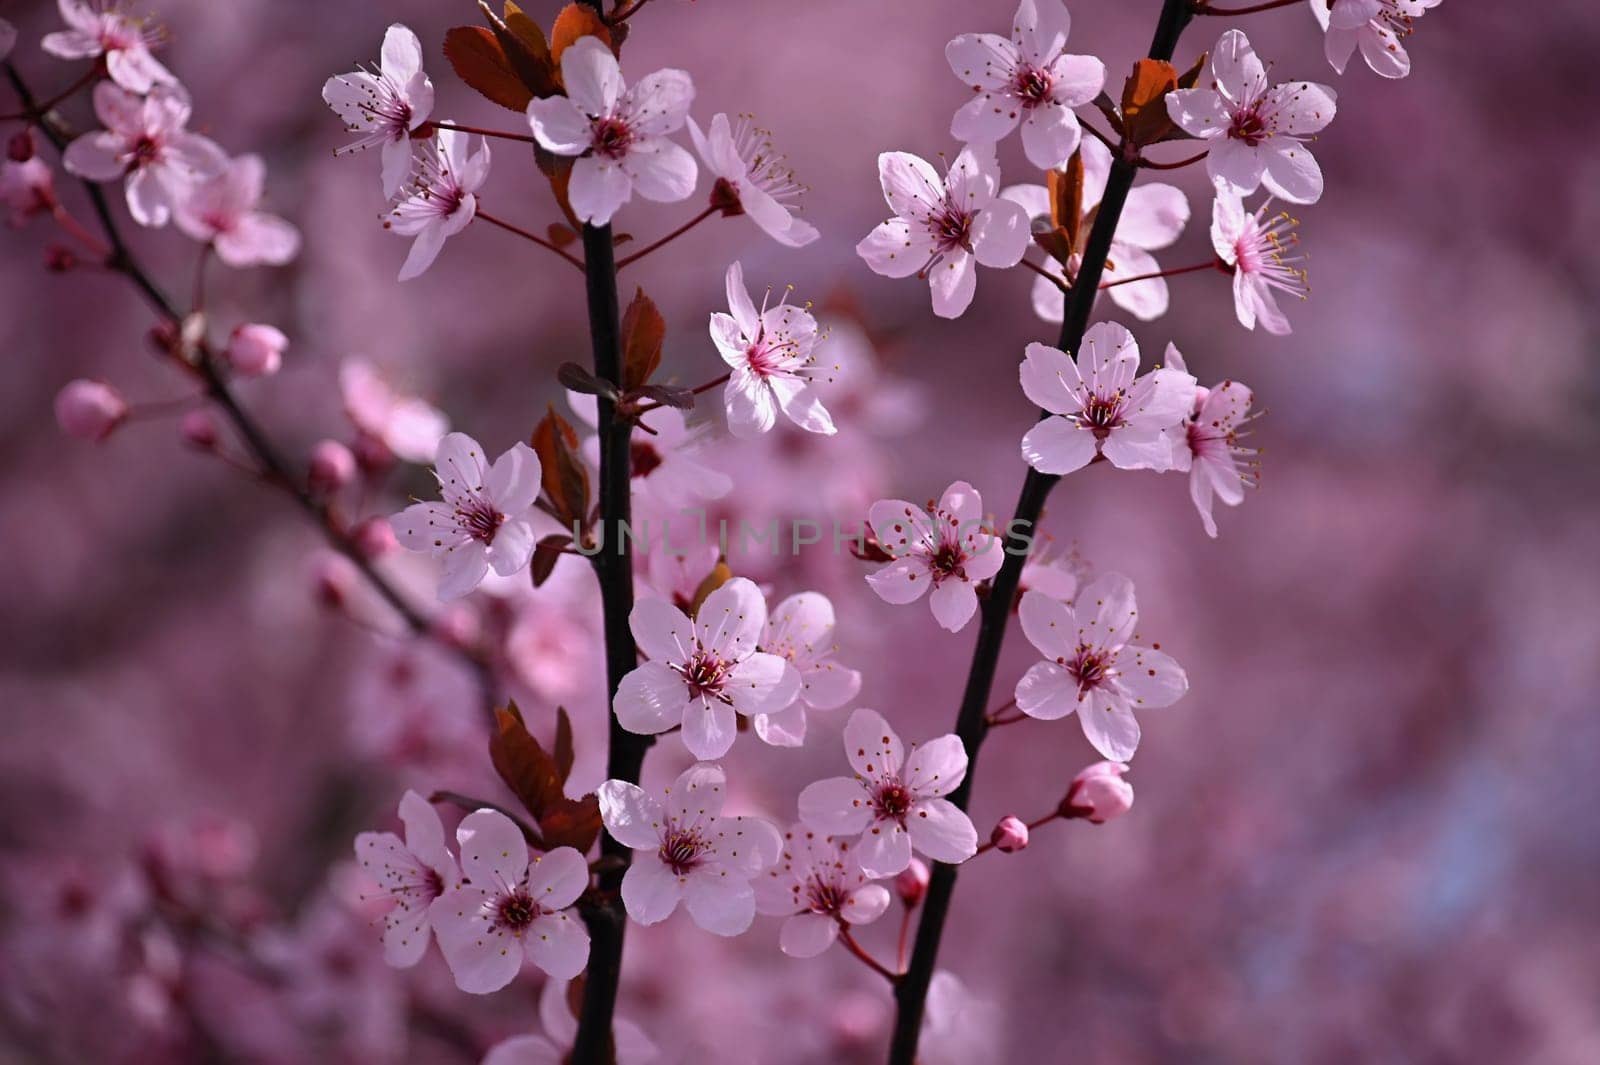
695	653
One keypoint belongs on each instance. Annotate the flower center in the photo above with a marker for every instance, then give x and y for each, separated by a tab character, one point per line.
610	137
1248	126
892	801
516	911
145	150
952	228
705	674
824	897
681	849
644	458
947	561
1032	85
479	520
1090	668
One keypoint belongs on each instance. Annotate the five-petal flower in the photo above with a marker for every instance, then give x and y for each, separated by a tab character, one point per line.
98	28
441	199
818	884
800	629
1207	447
754	177
383	107
1258	250
413	873
770	353
222	211
1376	26
943	546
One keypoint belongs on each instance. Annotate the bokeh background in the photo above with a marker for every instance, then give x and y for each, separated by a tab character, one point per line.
1365	835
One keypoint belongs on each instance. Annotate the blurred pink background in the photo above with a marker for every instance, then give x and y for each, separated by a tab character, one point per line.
1366	833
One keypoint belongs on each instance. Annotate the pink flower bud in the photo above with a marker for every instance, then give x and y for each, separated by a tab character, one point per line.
332	467
26	188
256	350
199	430
333	580
372	453
1010	835
89	410
374	538
1099	793
912	884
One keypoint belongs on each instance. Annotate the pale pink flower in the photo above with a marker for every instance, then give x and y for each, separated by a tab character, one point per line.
383	107
1206	446
222	211
27	189
1256	133
743	158
89	410
401	425
1257	248
685	850
618	134
1098	793
1092	668
633	1047
702	672
509	908
668	470
941	225
800	629
256	350
483	519
1010	834
105	28
678	562
770	353
1376	26
1056	575
412	873
943	546
817	883
894	802
145	140
1152	218
1100	405
441	199
1027	78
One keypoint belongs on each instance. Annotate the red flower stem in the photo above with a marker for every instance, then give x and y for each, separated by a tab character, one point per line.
273	468
695	391
669	238
469	804
1047	275
1203	7
35	112
1101	137
868	960
911	992
502	134
534	237
1174	272
1179	165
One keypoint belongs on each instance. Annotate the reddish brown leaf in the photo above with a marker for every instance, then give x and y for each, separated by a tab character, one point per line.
560	235
643	330
1144	106
527	770
525	46
572	823
566	478
562	748
479	61
1066	200
575	21
546	553
1191	77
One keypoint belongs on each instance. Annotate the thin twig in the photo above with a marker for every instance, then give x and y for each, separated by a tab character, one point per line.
868	960
669	238
1214	264
1203	7
1047	275
1150	164
480	131
469	804
534	237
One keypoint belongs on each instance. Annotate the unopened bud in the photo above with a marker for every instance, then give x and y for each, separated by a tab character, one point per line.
1099	793
89	410
19	149
333	580
374	538
1010	835
912	884
198	430
256	350
331	468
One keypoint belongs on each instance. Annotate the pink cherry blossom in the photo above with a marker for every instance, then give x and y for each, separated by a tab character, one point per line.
1152	218
942	546
1206	446
895	801
332	467
222	211
744	161
800	629
106	28
1256	133
618	134
912	883
510	908
1010	834
1098	793
941	225
89	410
771	355
483	519
817	883
256	350
1257	247
1027	75
1091	667
1100	405
27	189
412	873
1055	574
702	672
401	425
669	472
441	200
1375	26
145	140
383	107
685	850
633	1047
